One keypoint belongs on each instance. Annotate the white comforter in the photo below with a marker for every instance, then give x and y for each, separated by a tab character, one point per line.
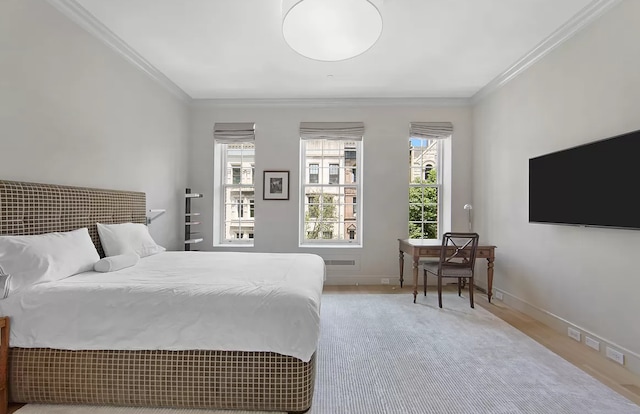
178	301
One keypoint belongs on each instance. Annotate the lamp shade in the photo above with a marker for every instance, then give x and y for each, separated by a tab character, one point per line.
331	30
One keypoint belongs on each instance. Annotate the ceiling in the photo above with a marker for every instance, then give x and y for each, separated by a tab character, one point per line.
220	49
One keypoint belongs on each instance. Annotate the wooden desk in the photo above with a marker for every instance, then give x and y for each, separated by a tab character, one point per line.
431	248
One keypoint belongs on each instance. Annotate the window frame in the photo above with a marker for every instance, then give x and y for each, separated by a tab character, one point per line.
242	209
341	185
439	186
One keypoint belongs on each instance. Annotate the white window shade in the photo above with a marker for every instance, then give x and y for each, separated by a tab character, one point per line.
430	130
234	132
332	130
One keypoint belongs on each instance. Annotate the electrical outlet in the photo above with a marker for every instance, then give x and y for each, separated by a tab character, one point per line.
592	343
615	355
499	295
574	333
384	281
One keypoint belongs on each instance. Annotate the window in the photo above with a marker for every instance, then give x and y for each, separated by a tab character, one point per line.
334	173
237	192
328	210
350	164
314	172
236	174
352	232
427	170
234	183
240	208
425	188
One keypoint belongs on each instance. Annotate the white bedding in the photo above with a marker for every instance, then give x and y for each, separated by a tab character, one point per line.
178	301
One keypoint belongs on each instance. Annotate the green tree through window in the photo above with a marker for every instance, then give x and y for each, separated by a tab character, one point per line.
423	208
320	218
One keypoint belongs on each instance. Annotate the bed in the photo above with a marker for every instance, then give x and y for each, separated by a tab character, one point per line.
225	358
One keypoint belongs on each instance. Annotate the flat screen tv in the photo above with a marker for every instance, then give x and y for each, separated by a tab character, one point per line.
595	184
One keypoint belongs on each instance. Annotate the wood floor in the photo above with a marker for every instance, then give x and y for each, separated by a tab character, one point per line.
609	373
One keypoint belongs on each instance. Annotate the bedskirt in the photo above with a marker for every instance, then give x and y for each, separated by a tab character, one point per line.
231	380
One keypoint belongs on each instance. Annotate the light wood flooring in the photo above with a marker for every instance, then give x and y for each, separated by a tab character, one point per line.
609	373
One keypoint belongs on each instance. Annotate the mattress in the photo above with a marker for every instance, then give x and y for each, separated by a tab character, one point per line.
228	301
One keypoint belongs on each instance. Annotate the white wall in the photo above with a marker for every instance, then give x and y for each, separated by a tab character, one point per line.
585	90
74	112
385	181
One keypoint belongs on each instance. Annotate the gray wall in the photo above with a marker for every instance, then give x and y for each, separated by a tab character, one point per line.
74	112
385	177
585	90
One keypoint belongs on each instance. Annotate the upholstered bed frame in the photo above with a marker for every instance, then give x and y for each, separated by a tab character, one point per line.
155	378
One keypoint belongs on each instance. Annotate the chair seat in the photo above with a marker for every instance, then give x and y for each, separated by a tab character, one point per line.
447	271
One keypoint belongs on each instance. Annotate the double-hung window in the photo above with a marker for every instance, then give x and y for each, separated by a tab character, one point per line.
331	153
314	173
235	187
425	179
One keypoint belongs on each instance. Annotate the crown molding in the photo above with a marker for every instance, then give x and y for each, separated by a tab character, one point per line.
73	10
335	102
583	18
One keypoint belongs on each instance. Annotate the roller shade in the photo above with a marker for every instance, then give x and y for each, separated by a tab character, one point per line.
233	132
332	130
430	130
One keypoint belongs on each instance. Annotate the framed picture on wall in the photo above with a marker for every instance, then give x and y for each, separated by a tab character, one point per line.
275	185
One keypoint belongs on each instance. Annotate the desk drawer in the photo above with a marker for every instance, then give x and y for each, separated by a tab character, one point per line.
483	253
430	251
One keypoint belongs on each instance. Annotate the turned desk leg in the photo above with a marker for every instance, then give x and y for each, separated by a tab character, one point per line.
401	261
415	277
490	277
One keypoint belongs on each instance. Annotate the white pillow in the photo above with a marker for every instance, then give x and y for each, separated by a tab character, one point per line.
46	257
114	263
123	238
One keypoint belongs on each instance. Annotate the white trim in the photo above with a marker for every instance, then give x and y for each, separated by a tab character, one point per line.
337	102
632	359
74	11
584	17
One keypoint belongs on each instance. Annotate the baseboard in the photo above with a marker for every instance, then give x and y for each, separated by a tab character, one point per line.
631	359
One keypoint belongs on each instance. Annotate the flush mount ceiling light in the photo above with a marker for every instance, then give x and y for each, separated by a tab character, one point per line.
331	30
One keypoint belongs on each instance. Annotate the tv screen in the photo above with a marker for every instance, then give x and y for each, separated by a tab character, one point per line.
595	184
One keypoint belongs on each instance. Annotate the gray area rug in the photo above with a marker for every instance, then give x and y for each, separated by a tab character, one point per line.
384	354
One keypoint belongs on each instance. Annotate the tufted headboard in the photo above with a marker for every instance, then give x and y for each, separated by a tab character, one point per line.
32	208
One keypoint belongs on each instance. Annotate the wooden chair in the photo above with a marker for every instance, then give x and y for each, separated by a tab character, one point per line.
457	260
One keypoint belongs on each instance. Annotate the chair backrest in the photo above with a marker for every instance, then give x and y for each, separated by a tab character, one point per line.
459	250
